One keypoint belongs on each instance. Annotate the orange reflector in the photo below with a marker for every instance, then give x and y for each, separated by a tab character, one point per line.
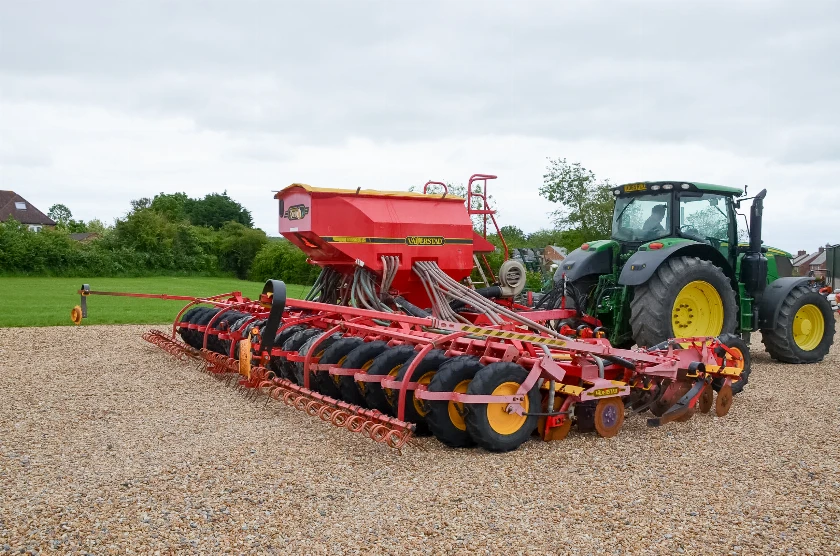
585	246
656	245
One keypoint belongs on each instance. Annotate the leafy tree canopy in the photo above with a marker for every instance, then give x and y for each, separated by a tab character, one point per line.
586	203
60	213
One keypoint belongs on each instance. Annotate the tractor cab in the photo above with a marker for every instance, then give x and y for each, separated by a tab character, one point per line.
650	211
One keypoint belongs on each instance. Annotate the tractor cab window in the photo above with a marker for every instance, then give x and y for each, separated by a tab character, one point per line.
642	217
704	217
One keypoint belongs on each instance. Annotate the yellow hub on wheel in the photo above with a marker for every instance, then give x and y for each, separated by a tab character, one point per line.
697	311
808	327
456	409
418	403
500	420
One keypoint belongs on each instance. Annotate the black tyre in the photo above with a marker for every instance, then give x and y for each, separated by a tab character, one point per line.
804	330
276	363
224	323
416	410
740	347
446	419
387	363
239	326
245	331
186	334
294	343
686	297
360	358
336	354
489	425
197	318
204	320
314	377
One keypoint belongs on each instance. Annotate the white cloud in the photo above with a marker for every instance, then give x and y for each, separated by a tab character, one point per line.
101	103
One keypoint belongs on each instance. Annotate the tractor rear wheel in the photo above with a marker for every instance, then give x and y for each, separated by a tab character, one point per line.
416	410
446	419
360	358
804	330
336	355
489	424
686	297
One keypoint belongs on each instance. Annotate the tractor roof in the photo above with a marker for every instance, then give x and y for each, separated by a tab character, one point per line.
647	186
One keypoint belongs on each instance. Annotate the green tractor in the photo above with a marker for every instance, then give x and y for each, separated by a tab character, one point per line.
674	268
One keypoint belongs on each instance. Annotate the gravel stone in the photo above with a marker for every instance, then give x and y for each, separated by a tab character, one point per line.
110	445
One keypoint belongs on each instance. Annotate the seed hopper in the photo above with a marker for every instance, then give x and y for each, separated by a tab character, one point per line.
395	340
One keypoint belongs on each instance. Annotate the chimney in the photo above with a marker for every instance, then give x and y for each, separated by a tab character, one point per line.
822	249
801	252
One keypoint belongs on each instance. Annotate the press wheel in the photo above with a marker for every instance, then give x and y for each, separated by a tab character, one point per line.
723	401
609	416
707	399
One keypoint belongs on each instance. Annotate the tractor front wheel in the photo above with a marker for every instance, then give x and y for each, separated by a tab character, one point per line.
686	297
804	330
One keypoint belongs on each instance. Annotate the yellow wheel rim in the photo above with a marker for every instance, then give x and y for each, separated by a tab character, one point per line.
337	378
808	327
500	420
456	408
697	311
393	374
418	404
363	385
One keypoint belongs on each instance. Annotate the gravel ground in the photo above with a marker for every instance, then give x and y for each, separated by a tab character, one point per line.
105	450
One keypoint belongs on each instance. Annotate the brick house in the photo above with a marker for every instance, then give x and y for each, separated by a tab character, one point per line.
14	206
810	264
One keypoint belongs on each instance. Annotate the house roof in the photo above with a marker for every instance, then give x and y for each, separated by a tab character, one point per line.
806	259
801	258
14	206
819	259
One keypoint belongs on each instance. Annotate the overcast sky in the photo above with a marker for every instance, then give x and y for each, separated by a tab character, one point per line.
105	102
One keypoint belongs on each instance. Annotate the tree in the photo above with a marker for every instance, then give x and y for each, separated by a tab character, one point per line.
76	226
60	213
174	206
215	209
96	226
238	245
586	203
140	204
514	236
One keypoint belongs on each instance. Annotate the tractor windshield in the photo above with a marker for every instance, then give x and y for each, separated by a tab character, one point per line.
642	217
704	216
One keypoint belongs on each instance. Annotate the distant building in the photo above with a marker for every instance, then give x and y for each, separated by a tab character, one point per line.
811	264
14	206
816	267
85	237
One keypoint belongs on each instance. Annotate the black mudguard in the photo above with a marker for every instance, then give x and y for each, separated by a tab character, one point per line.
773	298
580	263
642	264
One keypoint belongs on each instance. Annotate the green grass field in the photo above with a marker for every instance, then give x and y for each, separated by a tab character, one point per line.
48	301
